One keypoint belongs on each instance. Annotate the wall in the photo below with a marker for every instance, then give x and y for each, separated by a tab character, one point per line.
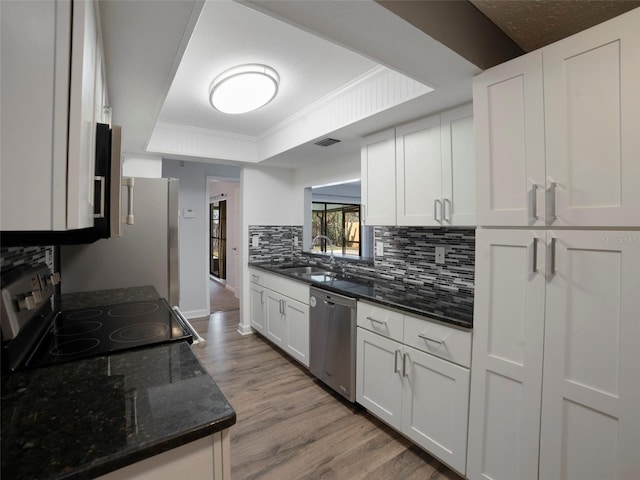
146	167
194	232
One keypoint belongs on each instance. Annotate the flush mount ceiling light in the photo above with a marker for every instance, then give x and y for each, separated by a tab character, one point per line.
244	88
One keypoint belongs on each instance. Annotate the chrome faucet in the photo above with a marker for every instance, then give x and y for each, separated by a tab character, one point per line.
313	242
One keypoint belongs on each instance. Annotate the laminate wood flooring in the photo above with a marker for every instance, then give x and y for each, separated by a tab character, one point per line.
221	299
290	426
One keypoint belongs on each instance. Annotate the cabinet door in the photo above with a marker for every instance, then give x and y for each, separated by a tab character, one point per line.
82	125
275	326
419	173
257	299
508	118
436	406
297	322
591	393
35	47
378	171
592	110
506	366
379	376
458	167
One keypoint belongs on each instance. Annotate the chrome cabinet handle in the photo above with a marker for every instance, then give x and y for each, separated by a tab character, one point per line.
444	210
375	320
404	364
533	201
129	182
424	337
551	202
435	209
102	180
395	361
552	256
261	297
534	256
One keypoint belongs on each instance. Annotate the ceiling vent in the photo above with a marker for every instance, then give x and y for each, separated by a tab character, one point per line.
326	142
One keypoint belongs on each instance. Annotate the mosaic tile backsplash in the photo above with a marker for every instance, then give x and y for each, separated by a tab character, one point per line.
408	263
15	256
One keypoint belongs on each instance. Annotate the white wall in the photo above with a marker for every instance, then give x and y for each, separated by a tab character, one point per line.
193	195
230	190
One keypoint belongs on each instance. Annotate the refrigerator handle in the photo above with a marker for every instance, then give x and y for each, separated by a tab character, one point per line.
129	182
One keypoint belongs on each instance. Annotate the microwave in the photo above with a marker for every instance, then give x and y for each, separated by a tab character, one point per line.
107	199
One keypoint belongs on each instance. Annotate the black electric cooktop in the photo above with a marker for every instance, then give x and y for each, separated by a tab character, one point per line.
77	334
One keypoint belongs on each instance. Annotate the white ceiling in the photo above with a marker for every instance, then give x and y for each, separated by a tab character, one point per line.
161	56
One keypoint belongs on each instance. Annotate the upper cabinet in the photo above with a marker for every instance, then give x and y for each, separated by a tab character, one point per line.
556	132
421	173
53	92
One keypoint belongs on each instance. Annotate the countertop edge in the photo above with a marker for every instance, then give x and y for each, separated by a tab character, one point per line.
407	309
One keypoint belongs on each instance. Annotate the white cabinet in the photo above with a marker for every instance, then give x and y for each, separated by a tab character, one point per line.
555	354
280	311
420	394
205	459
421	173
378	172
556	132
49	53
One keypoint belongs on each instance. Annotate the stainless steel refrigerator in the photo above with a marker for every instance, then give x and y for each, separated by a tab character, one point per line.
145	254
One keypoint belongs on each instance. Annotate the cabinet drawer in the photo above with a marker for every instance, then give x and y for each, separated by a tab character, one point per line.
439	340
380	320
290	288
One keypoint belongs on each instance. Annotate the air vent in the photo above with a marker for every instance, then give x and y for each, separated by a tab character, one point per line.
326	142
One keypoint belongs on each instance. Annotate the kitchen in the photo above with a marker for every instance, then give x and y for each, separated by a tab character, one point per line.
275	196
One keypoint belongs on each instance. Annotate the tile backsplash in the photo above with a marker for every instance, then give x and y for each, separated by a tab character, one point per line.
408	261
15	256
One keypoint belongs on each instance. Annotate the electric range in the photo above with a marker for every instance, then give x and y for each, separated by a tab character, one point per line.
35	334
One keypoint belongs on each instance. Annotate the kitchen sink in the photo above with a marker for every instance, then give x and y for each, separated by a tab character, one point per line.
307	270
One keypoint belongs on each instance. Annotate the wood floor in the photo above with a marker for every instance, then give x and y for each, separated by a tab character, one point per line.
221	299
289	426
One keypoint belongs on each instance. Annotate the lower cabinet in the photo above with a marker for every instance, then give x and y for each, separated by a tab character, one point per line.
205	459
420	394
280	311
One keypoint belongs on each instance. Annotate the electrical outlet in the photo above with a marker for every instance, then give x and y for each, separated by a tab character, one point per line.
379	249
295	241
439	254
255	241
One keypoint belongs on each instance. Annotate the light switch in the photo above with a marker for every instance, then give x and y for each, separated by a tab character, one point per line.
295	241
379	249
439	254
255	241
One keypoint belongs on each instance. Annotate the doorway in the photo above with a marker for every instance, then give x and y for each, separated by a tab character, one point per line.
218	239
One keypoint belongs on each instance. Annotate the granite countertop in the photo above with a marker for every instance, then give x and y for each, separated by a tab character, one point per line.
437	303
85	418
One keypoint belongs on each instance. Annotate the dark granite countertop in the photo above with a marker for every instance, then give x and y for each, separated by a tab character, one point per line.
83	419
437	303
77	300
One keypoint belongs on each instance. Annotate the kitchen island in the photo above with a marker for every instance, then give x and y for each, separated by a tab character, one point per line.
106	415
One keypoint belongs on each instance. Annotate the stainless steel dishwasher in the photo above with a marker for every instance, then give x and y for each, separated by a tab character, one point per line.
332	341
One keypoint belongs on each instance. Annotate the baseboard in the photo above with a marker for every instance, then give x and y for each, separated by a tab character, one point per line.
230	288
244	329
196	314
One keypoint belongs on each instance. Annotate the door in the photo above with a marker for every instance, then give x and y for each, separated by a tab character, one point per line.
378	171
297	324
506	376
591	393
419	173
379	376
257	299
435	406
458	167
275	326
218	239
508	116
592	110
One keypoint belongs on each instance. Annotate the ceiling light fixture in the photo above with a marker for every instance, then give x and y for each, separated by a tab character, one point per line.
244	88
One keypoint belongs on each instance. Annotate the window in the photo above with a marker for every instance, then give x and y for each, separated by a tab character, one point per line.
339	222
